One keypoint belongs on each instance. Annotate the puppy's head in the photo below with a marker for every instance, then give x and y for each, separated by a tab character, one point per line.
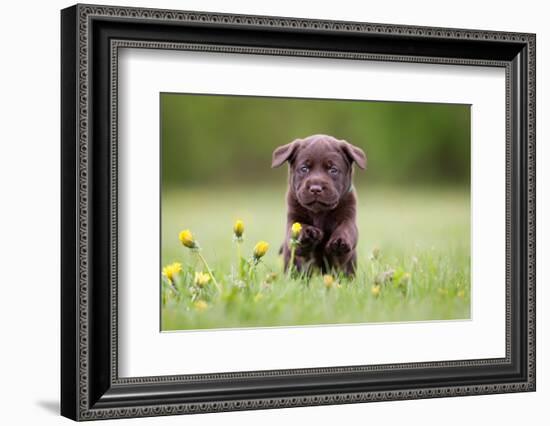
320	169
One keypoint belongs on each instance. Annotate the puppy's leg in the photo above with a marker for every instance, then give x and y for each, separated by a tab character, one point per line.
350	265
308	240
340	248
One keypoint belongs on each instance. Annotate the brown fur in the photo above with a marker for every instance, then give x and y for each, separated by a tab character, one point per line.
321	198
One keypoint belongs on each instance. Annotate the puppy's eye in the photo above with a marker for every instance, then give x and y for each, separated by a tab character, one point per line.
304	169
333	171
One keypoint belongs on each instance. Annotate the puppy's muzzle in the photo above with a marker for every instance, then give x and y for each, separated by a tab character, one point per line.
316	189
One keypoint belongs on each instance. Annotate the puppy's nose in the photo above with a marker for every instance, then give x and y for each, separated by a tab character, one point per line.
315	189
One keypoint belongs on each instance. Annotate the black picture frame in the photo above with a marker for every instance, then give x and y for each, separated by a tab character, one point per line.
90	386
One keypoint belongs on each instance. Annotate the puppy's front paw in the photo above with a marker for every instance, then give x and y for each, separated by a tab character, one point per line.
338	246
310	236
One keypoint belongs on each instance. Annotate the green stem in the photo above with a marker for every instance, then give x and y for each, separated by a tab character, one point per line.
174	289
266	267
239	260
170	284
252	263
201	257
291	261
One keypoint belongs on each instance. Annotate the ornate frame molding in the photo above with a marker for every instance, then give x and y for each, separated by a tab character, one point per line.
87	407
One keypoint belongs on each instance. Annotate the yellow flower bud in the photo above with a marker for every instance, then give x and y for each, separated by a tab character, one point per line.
295	229
170	270
186	238
260	249
375	290
328	280
238	228
201	279
272	276
200	305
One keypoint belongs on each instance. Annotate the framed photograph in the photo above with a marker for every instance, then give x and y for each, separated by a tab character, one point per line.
263	212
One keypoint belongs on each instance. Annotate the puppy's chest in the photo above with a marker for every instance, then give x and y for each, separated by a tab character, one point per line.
325	223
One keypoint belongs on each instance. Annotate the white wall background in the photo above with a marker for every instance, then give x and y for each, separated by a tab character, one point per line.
29	210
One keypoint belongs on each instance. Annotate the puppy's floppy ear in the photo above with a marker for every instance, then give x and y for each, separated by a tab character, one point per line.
355	154
284	152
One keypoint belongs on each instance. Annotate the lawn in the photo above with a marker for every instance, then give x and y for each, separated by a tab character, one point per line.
413	261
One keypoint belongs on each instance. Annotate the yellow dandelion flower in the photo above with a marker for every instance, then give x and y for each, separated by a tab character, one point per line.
258	297
201	279
375	290
328	280
170	270
186	238
238	228
295	230
260	249
200	305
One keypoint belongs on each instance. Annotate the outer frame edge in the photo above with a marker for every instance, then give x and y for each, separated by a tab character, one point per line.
87	414
69	338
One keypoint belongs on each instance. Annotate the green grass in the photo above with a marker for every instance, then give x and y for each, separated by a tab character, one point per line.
420	239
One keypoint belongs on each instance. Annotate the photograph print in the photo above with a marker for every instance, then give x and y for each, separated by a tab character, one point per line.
280	212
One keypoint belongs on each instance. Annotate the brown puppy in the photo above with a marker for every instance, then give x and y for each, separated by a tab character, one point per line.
321	197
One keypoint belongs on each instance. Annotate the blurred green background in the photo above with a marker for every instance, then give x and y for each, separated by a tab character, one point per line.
229	139
413	208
